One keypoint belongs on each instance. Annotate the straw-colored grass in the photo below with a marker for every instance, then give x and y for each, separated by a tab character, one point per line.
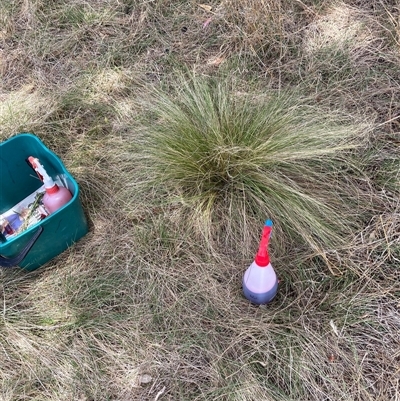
143	308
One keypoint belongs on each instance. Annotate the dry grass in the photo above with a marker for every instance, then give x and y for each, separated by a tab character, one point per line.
140	309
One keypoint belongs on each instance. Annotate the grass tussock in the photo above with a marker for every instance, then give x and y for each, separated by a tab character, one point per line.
293	114
231	159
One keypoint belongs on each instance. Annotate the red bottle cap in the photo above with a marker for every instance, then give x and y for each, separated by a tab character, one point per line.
52	190
262	261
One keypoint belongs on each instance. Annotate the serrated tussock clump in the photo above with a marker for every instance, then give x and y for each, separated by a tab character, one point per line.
231	159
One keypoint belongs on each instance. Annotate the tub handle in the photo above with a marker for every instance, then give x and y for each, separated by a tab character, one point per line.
10	262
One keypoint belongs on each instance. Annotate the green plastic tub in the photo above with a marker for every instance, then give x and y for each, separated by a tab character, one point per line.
54	234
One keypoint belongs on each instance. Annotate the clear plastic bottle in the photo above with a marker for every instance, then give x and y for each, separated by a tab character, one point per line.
55	196
260	283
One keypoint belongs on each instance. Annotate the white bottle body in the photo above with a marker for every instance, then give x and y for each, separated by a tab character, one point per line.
260	284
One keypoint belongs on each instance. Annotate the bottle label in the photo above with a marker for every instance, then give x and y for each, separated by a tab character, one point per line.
23	215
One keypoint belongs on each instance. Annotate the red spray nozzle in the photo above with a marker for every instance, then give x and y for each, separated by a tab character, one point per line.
42	174
34	162
262	257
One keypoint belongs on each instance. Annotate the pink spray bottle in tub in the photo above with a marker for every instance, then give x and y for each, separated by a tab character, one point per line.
260	283
55	196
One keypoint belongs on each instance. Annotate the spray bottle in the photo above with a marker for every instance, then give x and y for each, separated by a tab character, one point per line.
55	196
260	283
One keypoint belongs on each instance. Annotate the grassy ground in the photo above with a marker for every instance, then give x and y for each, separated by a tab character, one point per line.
148	306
